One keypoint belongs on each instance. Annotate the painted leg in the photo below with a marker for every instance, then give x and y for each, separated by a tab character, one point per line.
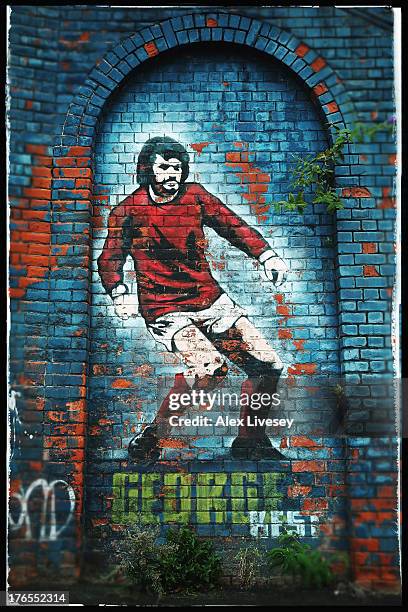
161	420
246	346
206	369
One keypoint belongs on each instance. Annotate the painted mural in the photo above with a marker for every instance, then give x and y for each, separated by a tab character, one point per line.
161	226
185	349
212	315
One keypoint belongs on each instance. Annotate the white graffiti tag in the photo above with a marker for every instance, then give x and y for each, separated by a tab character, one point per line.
268	524
14	416
19	430
48	519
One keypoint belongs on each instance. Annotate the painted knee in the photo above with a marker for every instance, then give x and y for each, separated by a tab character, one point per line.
214	377
270	359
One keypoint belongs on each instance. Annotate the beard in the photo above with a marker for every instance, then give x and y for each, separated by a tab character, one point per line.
161	189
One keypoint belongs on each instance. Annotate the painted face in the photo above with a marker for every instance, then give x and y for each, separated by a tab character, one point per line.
167	175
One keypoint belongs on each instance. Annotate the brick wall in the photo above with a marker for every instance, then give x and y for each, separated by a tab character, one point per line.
238	111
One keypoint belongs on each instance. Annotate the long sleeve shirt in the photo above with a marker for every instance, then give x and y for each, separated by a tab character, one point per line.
166	243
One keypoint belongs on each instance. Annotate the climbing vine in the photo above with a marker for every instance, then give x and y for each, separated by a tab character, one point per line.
318	170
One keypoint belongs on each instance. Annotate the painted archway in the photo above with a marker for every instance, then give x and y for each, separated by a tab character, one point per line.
73	157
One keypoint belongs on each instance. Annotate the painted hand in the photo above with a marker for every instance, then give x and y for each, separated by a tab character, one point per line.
276	270
125	306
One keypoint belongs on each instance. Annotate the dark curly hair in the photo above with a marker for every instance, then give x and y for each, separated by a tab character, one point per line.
166	147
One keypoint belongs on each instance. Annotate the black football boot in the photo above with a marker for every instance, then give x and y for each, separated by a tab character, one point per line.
144	446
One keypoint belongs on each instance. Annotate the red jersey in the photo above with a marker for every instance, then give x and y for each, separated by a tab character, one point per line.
166	242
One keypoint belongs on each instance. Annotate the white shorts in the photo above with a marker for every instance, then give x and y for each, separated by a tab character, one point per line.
217	318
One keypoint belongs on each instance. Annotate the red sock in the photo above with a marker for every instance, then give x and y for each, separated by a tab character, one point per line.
179	386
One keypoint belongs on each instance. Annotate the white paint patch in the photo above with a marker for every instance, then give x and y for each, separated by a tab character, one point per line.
15	419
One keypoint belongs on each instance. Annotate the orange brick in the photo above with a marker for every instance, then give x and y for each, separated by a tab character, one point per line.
364	544
33	148
79	151
41	194
370	271
301	50
308	466
332	107
370	247
315	504
151	49
318	64
320	89
356	192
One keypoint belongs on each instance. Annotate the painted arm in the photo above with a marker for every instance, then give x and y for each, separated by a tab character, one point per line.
112	259
234	229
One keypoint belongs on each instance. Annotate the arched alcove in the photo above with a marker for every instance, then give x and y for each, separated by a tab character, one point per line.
113	384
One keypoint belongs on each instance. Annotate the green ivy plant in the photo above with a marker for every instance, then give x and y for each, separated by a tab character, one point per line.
318	170
300	560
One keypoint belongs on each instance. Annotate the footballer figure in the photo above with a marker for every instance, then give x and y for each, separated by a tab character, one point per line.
160	225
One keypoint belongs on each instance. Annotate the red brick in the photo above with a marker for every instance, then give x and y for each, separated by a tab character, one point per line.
301	50
370	247
83	183
364	544
284	334
41	171
41	160
36	271
16	292
151	49
370	271
39	226
320	89
75	151
315	504
297	490
33	148
41	182
72	172
308	466
318	64
41	194
332	107
387	200
356	192
304	442
41	238
386	491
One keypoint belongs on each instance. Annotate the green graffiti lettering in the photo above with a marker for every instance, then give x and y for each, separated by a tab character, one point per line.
271	494
133	498
210	490
125	498
176	508
155	497
241	496
118	502
150	499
